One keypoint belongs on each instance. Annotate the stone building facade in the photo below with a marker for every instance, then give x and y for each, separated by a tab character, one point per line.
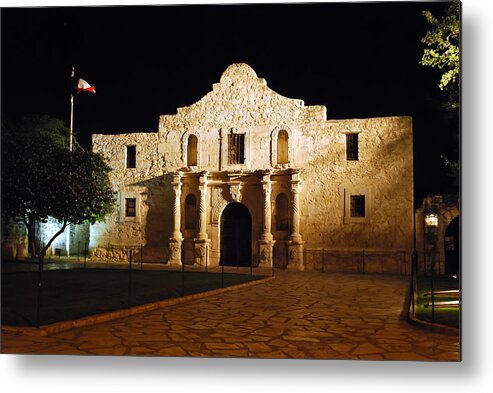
246	175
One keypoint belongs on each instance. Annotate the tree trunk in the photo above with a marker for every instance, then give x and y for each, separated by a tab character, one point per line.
31	238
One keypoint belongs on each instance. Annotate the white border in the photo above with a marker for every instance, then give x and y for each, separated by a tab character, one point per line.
125	374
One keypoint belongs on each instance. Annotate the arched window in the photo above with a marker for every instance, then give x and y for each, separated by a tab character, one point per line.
192	150
190	212
282	213
282	147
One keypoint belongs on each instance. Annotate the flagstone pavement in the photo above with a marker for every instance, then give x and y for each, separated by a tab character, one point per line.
296	315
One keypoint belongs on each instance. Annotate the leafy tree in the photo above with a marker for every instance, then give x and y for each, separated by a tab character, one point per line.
41	178
443	52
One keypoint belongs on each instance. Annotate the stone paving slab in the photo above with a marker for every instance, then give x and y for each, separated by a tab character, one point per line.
296	315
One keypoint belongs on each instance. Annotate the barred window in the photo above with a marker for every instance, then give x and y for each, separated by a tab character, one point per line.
357	206
130	207
236	148
352	147
131	156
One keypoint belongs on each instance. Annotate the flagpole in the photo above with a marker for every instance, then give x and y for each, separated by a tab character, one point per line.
67	245
71	107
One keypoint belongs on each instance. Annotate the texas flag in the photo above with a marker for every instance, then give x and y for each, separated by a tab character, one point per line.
84	86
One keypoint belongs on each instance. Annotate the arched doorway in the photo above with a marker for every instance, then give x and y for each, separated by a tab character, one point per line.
236	236
452	247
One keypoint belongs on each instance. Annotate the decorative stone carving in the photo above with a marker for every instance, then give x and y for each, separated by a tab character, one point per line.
235	191
203	206
265	252
176	237
295	253
218	204
267	190
177	206
201	252
175	252
295	190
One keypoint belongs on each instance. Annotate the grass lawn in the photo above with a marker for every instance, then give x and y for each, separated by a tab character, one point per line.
447	316
76	293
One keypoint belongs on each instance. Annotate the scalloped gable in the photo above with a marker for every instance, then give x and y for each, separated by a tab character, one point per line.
241	99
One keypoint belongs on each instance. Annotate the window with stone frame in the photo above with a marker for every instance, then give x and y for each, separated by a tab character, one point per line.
131	156
352	147
236	148
130	207
191	212
358	206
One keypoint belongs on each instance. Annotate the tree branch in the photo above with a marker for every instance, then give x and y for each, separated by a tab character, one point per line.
62	229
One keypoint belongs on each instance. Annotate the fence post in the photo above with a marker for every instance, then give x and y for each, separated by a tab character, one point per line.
251	268
78	251
85	254
40	284
182	276
432	295
363	263
141	253
206	257
413	272
323	260
222	275
130	279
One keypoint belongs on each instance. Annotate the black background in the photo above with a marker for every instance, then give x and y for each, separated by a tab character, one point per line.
357	59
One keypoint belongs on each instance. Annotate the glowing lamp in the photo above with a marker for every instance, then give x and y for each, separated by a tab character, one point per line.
431	220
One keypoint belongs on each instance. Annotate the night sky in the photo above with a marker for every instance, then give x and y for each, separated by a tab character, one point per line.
357	59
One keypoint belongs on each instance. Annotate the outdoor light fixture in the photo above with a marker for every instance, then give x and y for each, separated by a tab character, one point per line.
431	220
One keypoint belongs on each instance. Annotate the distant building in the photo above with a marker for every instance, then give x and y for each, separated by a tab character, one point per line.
438	234
246	175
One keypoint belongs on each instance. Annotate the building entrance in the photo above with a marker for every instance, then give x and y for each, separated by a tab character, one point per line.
236	236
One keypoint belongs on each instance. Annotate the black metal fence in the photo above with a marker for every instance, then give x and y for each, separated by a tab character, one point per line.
357	261
429	291
121	285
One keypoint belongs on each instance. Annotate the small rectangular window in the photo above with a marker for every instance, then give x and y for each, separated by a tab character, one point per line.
357	206
236	148
130	207
131	156
352	147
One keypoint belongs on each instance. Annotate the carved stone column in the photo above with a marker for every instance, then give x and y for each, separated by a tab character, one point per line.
176	237
267	190
295	260
201	243
266	242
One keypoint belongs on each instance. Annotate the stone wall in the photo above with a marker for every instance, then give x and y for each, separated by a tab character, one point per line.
241	103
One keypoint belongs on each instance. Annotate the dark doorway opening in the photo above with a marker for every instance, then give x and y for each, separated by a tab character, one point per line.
236	236
452	247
